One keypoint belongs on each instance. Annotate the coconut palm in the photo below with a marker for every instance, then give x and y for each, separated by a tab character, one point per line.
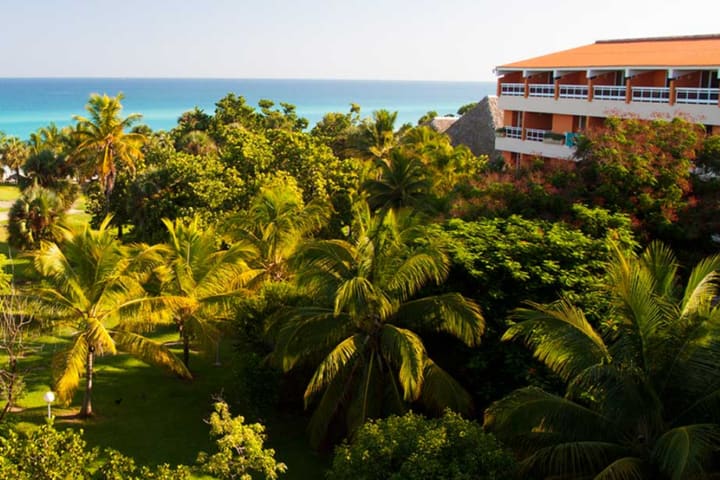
102	142
47	138
13	153
202	279
379	133
275	224
90	290
361	331
402	182
643	395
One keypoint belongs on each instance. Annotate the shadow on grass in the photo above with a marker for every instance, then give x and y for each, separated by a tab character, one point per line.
156	417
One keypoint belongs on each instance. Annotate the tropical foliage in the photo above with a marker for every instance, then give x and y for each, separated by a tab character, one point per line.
198	282
103	143
92	290
642	391
361	329
412	447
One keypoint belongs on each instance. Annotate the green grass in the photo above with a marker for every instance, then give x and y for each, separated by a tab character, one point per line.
8	193
156	417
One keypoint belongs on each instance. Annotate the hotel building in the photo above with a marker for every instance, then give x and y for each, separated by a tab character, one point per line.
548	99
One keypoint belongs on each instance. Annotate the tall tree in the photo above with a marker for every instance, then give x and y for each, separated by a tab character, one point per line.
363	321
102	141
642	394
201	280
91	286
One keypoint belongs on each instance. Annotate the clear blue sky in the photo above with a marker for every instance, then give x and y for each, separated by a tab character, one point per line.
367	39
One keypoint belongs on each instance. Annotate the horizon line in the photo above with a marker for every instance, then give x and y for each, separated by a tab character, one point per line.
70	77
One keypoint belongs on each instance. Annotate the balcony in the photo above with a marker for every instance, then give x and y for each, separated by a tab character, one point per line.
609	92
513	132
651	94
513	89
579	92
541	90
535	134
697	96
535	148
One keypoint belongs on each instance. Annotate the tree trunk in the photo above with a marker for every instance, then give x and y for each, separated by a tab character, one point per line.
186	348
86	410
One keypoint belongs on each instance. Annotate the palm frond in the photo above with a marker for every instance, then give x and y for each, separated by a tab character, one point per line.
450	313
625	468
70	364
532	409
441	391
560	337
344	354
684	451
404	350
572	459
305	332
702	286
150	352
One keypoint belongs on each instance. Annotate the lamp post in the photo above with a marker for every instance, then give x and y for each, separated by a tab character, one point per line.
49	398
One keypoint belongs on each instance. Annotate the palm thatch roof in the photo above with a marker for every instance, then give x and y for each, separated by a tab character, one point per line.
476	128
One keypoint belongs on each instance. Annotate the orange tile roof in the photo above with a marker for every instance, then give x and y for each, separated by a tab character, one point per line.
697	51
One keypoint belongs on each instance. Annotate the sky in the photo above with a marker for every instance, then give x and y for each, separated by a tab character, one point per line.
456	40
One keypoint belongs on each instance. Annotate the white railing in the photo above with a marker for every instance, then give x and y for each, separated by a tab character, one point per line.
703	96
535	135
608	92
651	94
574	91
513	89
541	90
513	132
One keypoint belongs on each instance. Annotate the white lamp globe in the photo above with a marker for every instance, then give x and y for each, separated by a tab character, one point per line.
49	397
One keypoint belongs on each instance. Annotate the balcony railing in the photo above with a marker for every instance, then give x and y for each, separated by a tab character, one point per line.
651	94
535	135
541	90
702	96
574	91
608	92
513	132
513	89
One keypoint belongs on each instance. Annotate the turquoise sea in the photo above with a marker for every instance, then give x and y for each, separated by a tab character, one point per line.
27	104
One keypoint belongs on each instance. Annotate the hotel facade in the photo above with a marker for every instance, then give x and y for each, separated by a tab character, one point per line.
547	100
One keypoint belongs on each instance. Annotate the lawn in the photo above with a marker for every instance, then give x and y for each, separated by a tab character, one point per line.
155	417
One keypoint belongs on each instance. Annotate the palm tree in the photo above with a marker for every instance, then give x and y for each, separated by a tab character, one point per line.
402	182
360	331
643	394
102	142
47	138
90	290
379	134
13	154
202	280
274	226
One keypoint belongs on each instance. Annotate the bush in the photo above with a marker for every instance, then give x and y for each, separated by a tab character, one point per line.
414	447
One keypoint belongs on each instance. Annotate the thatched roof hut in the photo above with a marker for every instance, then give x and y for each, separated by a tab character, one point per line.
476	128
440	124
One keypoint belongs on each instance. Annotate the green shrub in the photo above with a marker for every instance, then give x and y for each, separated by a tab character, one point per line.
417	448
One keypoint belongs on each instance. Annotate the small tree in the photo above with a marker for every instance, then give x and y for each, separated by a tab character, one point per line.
240	449
14	331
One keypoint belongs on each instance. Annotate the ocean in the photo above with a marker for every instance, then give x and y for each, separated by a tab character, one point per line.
27	104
